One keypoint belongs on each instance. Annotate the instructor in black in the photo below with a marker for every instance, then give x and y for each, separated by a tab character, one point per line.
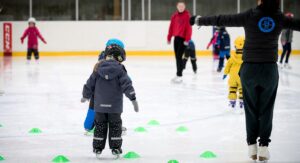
259	72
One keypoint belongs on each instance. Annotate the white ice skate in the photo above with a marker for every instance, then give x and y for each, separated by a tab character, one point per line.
252	151
287	66
177	80
263	154
240	110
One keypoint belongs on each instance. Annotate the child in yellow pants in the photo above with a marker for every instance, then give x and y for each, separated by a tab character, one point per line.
232	69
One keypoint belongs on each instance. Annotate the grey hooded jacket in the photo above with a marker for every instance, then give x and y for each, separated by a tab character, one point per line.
108	83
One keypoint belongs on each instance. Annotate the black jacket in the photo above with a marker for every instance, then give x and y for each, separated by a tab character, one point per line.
262	31
108	85
224	40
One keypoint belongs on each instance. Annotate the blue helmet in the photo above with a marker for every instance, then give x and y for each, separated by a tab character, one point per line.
115	41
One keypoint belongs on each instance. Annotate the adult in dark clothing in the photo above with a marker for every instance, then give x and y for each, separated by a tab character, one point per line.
286	41
259	72
181	29
190	52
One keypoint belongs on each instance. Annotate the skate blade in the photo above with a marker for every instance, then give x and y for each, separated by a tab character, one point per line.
262	160
98	156
254	158
117	156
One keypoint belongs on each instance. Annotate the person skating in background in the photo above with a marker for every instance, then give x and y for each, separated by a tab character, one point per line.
223	43
108	83
259	71
232	69
182	31
286	41
213	41
32	32
190	52
90	117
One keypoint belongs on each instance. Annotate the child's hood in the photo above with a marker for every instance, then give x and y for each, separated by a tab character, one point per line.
110	69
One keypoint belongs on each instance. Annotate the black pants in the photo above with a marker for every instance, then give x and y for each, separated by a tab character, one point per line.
179	48
34	51
192	54
260	82
287	48
103	123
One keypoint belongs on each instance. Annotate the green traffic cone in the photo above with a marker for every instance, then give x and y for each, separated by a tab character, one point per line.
208	154
1	158
173	161
35	131
140	129
182	129
153	123
131	155
60	158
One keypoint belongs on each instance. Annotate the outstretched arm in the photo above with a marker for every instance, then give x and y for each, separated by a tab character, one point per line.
40	36
293	24
24	35
227	67
236	20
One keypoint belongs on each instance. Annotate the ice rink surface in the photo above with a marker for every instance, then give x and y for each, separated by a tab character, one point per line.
47	96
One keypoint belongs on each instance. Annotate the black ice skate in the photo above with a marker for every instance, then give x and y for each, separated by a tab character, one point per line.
97	152
117	152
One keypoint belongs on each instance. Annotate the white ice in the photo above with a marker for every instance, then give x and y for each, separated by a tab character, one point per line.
47	96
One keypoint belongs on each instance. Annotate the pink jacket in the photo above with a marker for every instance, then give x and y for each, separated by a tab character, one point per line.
213	40
33	34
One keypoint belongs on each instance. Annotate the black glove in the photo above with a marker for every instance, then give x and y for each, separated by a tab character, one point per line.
192	20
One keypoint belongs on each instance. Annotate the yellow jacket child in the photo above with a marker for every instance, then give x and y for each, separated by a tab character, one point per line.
232	69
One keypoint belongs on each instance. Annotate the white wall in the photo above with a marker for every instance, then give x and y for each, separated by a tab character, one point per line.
92	35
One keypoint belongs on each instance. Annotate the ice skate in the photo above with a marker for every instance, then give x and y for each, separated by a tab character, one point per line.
252	151
117	152
177	80
28	62
232	104
124	131
219	70
287	66
263	154
37	61
241	108
97	152
88	133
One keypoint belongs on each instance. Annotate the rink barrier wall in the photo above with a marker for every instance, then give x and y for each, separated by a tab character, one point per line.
65	38
129	53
